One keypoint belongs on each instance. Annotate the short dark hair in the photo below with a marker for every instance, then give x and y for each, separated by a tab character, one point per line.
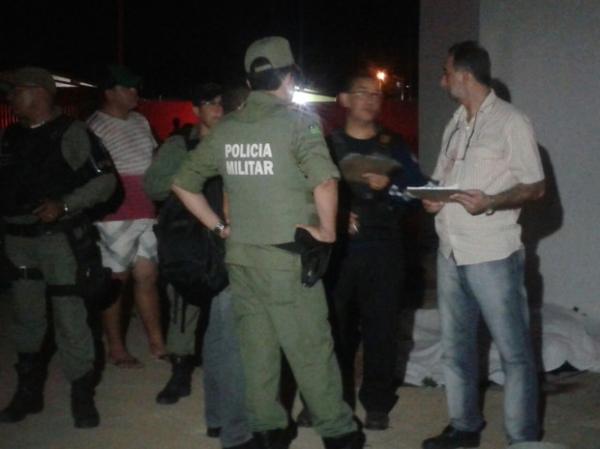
270	79
473	58
234	97
205	92
355	76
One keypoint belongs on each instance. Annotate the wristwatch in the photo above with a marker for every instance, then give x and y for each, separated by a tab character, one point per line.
490	210
219	228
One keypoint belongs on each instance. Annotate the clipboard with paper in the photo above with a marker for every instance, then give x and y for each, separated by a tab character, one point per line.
434	192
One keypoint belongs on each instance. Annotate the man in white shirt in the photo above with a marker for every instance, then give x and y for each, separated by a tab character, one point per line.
490	152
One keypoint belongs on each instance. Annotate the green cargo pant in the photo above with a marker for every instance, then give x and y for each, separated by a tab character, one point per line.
51	254
273	311
181	340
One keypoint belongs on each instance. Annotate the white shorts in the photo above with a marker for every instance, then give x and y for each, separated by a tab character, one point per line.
122	242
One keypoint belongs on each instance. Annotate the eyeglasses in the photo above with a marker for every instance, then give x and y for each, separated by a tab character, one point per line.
459	156
366	95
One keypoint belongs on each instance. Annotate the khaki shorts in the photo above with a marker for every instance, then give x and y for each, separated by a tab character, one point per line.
122	242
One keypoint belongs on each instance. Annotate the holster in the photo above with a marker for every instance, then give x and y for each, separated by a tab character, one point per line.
314	255
93	281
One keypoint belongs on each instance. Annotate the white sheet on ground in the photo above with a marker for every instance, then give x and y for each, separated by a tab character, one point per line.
565	337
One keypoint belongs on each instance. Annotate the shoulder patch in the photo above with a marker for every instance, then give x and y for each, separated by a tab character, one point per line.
314	129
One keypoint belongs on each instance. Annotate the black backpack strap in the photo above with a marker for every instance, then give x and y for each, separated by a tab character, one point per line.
338	144
186	131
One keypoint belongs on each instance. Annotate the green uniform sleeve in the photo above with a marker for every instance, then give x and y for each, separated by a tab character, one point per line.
159	176
199	165
76	150
312	153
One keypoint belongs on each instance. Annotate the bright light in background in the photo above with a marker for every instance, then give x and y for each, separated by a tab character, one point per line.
62	81
310	96
64	85
300	97
381	75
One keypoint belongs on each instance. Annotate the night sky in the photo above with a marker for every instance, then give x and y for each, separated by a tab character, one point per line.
173	44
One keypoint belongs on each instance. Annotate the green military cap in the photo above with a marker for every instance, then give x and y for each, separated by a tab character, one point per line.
119	75
275	50
28	76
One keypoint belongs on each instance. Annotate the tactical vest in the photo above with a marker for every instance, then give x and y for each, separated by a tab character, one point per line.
379	217
33	167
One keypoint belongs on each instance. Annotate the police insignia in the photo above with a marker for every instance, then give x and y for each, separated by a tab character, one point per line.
314	129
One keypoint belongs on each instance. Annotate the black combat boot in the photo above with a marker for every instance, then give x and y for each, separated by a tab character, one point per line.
180	383
377	421
352	440
276	439
452	438
29	397
83	409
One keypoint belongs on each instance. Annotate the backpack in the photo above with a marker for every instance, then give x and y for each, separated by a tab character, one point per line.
191	257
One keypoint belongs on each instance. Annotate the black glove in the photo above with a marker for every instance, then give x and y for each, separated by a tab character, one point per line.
314	256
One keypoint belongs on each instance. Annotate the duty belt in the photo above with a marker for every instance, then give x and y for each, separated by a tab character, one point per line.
27	273
38	229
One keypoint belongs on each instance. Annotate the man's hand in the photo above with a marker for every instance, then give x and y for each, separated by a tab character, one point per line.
433	207
226	232
375	181
50	211
314	256
319	233
475	202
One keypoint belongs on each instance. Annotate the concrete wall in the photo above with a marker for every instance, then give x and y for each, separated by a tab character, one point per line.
443	22
547	52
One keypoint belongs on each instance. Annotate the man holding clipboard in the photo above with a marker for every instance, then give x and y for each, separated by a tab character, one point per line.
489	150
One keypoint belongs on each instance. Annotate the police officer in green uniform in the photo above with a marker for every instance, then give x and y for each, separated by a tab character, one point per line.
48	178
278	175
184	317
183	253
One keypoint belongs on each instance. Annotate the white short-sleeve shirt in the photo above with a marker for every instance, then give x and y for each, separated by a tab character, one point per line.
492	152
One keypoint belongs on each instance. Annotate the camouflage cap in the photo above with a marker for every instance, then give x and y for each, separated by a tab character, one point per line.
275	50
28	76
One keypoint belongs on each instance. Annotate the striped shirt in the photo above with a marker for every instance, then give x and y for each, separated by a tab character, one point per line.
493	152
131	146
130	141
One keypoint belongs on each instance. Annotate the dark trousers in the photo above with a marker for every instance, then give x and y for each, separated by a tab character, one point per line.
366	302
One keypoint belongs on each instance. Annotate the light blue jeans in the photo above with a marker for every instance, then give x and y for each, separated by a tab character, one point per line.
495	291
223	374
